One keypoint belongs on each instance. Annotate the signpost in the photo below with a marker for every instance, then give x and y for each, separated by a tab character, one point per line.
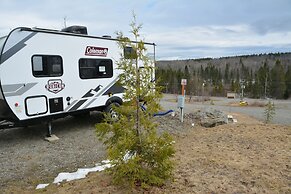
181	98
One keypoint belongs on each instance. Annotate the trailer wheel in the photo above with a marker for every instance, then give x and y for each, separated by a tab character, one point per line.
111	112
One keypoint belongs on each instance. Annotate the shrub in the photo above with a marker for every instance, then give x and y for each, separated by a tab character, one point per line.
139	155
269	111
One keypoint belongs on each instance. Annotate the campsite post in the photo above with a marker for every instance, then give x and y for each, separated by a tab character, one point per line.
181	98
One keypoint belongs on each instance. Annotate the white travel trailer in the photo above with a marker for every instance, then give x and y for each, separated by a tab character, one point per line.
47	74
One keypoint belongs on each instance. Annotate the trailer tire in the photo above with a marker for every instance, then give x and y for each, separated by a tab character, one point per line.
111	112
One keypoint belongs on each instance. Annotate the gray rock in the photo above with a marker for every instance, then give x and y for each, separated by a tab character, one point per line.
208	118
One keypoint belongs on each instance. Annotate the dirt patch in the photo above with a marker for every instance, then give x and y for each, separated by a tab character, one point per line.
241	158
247	157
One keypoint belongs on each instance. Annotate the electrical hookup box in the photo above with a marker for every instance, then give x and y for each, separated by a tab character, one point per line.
181	101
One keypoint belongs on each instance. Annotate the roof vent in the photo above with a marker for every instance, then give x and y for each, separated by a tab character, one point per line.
76	29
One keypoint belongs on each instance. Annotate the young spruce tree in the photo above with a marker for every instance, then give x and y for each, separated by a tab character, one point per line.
139	155
269	111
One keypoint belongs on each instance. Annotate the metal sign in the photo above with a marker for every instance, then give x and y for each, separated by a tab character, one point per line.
183	82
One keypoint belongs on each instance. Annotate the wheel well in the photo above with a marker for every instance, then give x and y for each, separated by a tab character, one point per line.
113	99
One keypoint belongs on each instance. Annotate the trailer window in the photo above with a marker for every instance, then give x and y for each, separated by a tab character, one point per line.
47	66
95	68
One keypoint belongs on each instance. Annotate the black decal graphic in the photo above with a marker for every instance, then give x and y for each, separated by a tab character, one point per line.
92	92
77	105
98	88
115	89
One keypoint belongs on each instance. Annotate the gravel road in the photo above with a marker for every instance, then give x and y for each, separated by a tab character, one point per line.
282	107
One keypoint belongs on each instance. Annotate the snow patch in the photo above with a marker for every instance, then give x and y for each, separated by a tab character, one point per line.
42	186
79	174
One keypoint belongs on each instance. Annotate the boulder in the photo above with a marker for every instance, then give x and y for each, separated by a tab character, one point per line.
209	118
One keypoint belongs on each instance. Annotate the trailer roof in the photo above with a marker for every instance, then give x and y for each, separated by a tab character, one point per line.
50	31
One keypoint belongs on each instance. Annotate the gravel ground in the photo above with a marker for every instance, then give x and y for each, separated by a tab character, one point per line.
27	159
282	107
25	155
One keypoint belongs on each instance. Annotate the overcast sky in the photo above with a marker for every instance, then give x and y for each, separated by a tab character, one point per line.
182	29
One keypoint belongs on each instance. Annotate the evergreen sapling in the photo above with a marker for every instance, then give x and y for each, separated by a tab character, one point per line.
139	155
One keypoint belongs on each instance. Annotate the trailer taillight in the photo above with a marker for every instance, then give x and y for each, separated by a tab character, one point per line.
16	104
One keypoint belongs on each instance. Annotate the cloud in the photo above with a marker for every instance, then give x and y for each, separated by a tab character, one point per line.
219	36
215	52
25	20
217	41
274	24
181	29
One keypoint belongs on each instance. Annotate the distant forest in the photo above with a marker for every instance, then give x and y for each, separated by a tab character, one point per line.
258	76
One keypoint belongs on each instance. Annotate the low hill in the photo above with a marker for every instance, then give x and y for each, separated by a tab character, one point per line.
250	61
256	76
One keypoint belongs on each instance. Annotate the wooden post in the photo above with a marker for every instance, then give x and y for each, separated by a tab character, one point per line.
183	90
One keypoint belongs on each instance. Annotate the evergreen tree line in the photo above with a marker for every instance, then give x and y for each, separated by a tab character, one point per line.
265	82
